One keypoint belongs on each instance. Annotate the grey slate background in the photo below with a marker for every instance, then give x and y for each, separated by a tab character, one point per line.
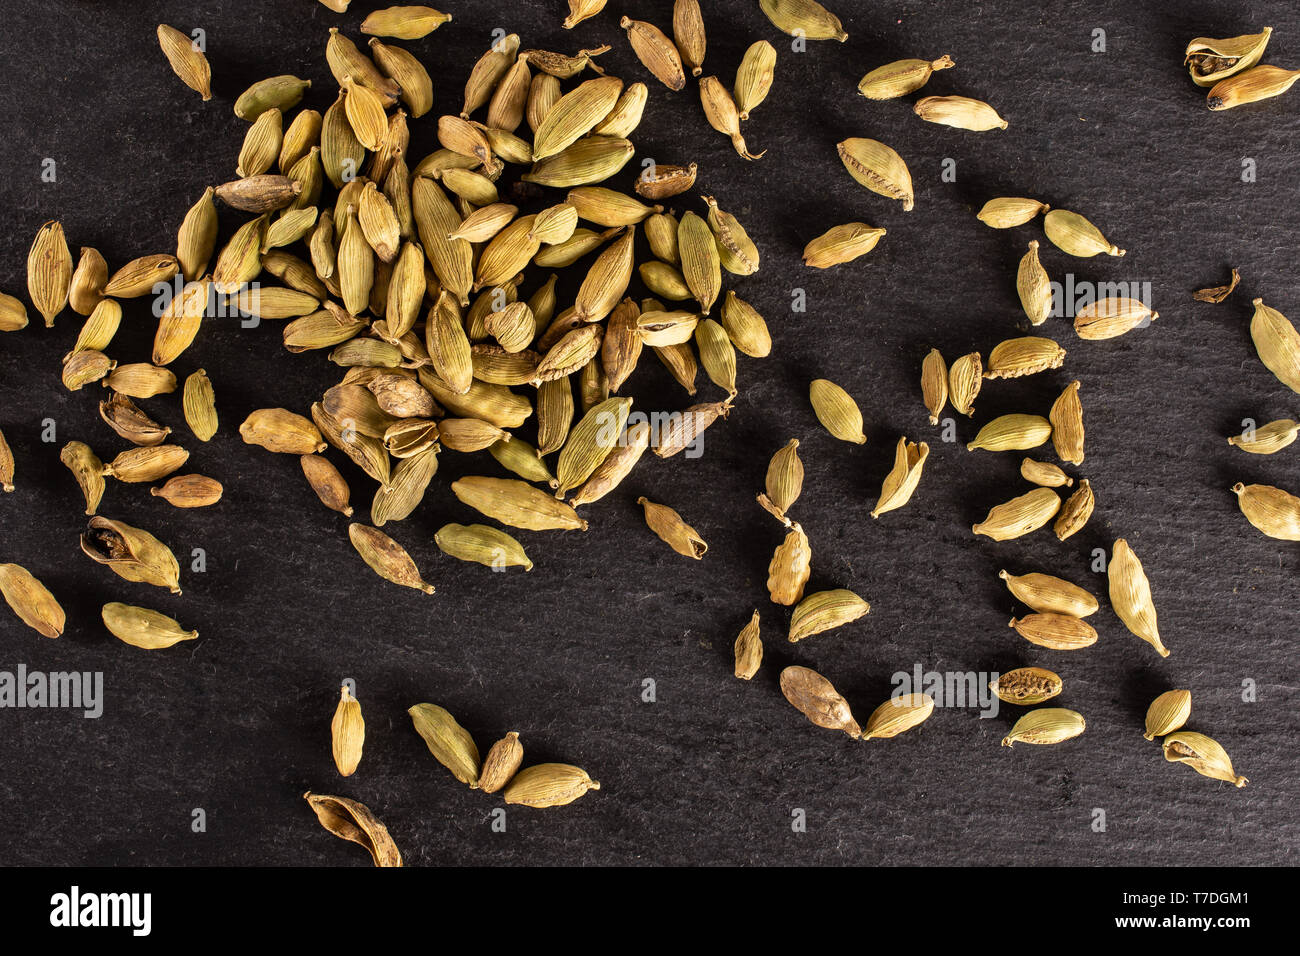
237	722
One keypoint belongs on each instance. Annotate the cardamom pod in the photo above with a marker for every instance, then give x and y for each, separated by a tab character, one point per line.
283	431
900	484
817	699
1046	725
1272	510
804	18
934	384
656	52
31	600
790	567
1020	516
49	271
347	733
1075	235
404	23
1203	755
141	627
1060	632
1026	685
1209	60
754	77
1012	433
841	244
837	411
1257	83
1076	511
1008	212
386	557
1112	317
965	377
1168	713
131	553
898	714
1034	287
517	504
1045	474
825	610
1066	417
1278	344
482	544
1130	595
1050	595
190	491
549	785
672	529
879	168
748	650
328	484
186	59
1267	439
353	821
87	469
147	463
901	77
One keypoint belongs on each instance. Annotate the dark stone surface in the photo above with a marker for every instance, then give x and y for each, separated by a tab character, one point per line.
237	722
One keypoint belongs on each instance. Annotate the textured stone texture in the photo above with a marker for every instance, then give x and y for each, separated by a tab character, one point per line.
237	722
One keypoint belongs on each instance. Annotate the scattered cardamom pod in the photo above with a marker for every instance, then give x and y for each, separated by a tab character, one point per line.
1075	235
1278	344
31	600
1050	595
141	627
901	77
837	411
1046	725
1012	433
131	553
1272	510
879	168
804	18
672	529
1060	632
825	610
748	650
1203	755
1209	60
482	544
818	700
549	785
1020	516
1267	439
353	821
347	733
900	484
1130	595
1257	83
1044	473
898	714
1026	685
1008	212
386	557
959	112
841	244
965	377
501	763
189	491
1168	713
